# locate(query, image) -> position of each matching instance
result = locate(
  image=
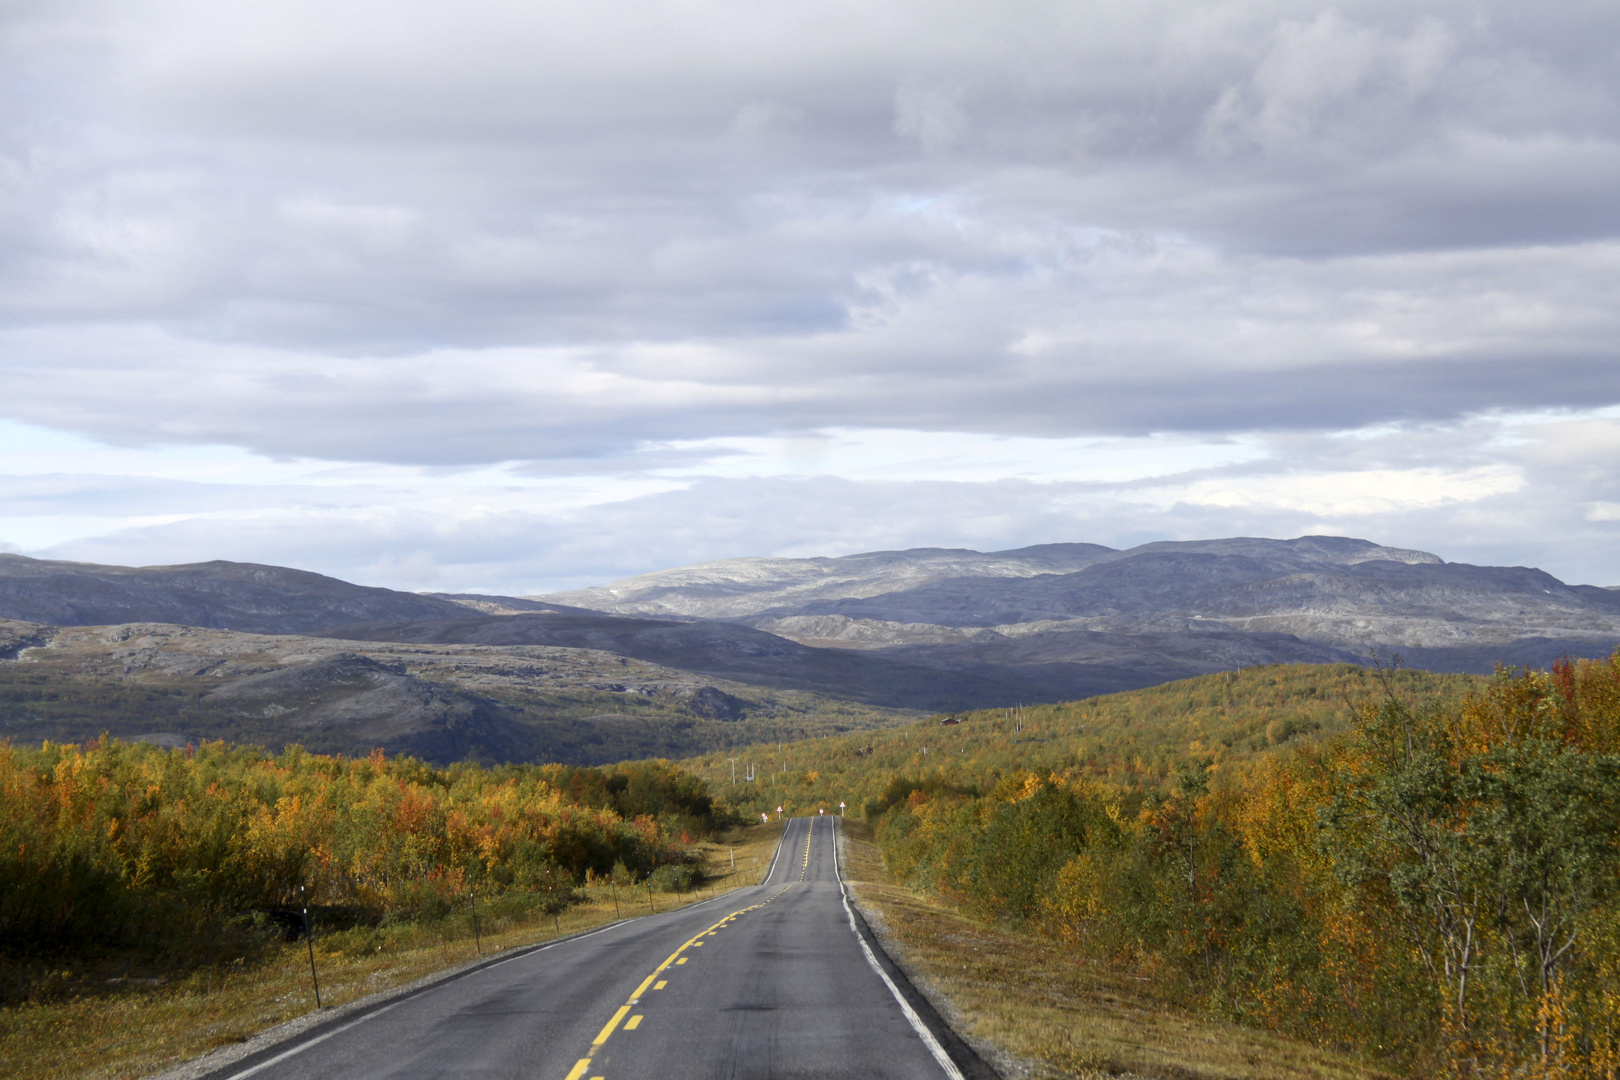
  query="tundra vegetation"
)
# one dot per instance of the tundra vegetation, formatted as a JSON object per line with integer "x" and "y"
{"x": 1417, "y": 869}
{"x": 1435, "y": 885}
{"x": 113, "y": 855}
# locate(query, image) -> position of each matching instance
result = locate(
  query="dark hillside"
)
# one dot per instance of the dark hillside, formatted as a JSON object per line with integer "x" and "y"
{"x": 738, "y": 652}
{"x": 222, "y": 595}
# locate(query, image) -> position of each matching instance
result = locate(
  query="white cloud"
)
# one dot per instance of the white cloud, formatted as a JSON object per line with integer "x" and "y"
{"x": 1345, "y": 494}
{"x": 1311, "y": 69}
{"x": 1498, "y": 489}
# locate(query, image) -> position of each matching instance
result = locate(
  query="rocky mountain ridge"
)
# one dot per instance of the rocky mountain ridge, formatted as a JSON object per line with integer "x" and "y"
{"x": 1336, "y": 592}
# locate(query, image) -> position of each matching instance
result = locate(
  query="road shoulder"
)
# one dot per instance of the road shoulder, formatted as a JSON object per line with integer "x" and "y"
{"x": 1034, "y": 1010}
{"x": 312, "y": 1025}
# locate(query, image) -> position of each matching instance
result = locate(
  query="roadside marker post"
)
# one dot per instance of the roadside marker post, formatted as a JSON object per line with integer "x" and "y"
{"x": 309, "y": 939}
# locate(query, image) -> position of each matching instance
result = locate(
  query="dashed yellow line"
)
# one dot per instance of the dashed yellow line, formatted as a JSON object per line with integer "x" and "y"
{"x": 674, "y": 959}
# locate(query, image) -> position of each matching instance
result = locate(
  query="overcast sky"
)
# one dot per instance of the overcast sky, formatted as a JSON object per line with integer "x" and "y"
{"x": 516, "y": 297}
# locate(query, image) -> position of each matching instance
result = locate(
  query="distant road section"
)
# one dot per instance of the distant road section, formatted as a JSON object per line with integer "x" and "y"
{"x": 775, "y": 981}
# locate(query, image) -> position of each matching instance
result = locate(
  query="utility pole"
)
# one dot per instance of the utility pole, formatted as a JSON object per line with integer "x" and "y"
{"x": 733, "y": 772}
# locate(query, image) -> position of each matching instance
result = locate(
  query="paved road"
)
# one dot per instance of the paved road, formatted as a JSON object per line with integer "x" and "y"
{"x": 772, "y": 981}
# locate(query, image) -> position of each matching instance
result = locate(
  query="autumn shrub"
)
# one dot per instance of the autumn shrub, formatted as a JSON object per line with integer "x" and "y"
{"x": 1438, "y": 885}
{"x": 128, "y": 846}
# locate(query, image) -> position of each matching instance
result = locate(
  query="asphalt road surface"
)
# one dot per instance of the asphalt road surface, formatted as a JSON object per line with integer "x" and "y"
{"x": 773, "y": 981}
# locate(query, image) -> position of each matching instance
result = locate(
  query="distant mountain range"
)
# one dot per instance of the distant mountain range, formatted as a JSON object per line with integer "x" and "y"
{"x": 1061, "y": 601}
{"x": 733, "y": 651}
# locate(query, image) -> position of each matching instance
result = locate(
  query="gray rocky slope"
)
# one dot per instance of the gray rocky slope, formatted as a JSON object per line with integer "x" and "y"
{"x": 731, "y": 651}
{"x": 514, "y": 700}
{"x": 1078, "y": 601}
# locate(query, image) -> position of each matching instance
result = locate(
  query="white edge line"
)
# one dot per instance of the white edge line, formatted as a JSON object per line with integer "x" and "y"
{"x": 307, "y": 1043}
{"x": 779, "y": 846}
{"x": 927, "y": 1036}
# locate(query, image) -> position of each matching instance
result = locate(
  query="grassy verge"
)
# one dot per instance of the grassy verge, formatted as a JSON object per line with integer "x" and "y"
{"x": 1043, "y": 1011}
{"x": 93, "y": 1027}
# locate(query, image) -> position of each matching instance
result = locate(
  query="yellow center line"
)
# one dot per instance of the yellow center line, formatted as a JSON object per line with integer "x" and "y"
{"x": 674, "y": 958}
{"x": 607, "y": 1029}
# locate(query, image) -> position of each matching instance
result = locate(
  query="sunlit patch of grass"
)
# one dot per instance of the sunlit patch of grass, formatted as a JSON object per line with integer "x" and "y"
{"x": 93, "y": 1028}
{"x": 1055, "y": 1013}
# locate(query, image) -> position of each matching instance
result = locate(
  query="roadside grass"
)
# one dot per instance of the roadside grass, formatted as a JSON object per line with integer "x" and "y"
{"x": 1053, "y": 1013}
{"x": 87, "y": 1025}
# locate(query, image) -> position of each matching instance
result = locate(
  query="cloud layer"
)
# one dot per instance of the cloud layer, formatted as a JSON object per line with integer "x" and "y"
{"x": 516, "y": 296}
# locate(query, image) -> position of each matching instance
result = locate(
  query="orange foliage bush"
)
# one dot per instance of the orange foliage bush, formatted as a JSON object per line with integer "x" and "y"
{"x": 113, "y": 844}
{"x": 1439, "y": 886}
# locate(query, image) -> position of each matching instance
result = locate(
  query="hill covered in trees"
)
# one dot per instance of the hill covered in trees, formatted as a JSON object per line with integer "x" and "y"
{"x": 1138, "y": 739}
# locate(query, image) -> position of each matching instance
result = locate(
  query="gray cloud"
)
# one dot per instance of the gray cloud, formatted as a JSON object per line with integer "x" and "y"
{"x": 568, "y": 235}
